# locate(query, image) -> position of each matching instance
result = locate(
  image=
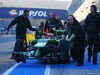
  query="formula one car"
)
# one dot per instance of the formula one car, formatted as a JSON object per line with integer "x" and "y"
{"x": 51, "y": 47}
{"x": 47, "y": 47}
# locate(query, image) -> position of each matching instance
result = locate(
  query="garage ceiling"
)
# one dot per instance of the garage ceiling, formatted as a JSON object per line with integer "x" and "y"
{"x": 48, "y": 4}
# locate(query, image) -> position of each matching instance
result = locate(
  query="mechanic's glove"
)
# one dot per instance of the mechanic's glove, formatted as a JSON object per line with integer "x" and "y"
{"x": 63, "y": 36}
{"x": 72, "y": 37}
{"x": 66, "y": 38}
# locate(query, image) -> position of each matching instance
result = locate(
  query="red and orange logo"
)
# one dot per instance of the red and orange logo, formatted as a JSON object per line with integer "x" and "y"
{"x": 13, "y": 12}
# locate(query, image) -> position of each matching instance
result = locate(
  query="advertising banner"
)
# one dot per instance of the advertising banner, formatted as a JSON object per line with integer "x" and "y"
{"x": 35, "y": 13}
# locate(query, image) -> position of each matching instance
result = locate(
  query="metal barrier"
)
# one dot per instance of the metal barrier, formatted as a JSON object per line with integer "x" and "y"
{"x": 3, "y": 31}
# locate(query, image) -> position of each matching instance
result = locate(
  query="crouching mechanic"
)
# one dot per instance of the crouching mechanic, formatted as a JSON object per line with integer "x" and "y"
{"x": 77, "y": 36}
{"x": 22, "y": 23}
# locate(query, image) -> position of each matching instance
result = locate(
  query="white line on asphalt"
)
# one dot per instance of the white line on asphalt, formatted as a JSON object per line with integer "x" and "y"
{"x": 47, "y": 70}
{"x": 11, "y": 69}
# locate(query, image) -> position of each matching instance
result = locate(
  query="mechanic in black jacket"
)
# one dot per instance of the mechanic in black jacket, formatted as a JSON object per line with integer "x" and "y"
{"x": 59, "y": 25}
{"x": 22, "y": 24}
{"x": 77, "y": 36}
{"x": 92, "y": 28}
{"x": 51, "y": 23}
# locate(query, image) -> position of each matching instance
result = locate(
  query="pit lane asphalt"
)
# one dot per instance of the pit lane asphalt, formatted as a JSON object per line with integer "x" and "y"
{"x": 6, "y": 47}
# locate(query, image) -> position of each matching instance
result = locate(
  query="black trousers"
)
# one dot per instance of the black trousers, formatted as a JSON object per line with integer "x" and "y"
{"x": 99, "y": 44}
{"x": 18, "y": 36}
{"x": 93, "y": 42}
{"x": 79, "y": 47}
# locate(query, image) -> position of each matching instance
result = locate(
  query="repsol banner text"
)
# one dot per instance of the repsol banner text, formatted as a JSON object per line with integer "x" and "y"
{"x": 35, "y": 13}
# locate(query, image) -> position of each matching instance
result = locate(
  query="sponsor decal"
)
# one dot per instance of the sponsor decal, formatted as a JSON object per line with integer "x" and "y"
{"x": 35, "y": 13}
{"x": 13, "y": 12}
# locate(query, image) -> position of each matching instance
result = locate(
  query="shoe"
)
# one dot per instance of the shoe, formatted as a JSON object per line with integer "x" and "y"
{"x": 89, "y": 59}
{"x": 78, "y": 65}
{"x": 94, "y": 63}
{"x": 82, "y": 63}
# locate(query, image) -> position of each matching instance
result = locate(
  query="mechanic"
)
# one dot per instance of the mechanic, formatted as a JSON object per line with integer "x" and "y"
{"x": 92, "y": 28}
{"x": 51, "y": 23}
{"x": 77, "y": 35}
{"x": 59, "y": 25}
{"x": 41, "y": 26}
{"x": 22, "y": 23}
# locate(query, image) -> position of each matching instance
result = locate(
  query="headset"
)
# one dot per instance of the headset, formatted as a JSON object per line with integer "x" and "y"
{"x": 94, "y": 7}
{"x": 25, "y": 11}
